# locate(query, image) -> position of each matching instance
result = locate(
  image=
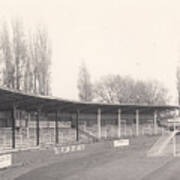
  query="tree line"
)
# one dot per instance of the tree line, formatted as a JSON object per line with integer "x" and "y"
{"x": 25, "y": 58}
{"x": 120, "y": 89}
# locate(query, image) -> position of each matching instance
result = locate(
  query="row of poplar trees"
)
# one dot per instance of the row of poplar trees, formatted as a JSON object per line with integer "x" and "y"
{"x": 25, "y": 58}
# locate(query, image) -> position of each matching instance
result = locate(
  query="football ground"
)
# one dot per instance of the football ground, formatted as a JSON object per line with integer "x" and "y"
{"x": 99, "y": 161}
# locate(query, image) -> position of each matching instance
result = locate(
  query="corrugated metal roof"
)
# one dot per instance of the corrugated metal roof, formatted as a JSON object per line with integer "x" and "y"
{"x": 25, "y": 101}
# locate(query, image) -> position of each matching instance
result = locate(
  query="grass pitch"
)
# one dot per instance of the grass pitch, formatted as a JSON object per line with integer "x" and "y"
{"x": 99, "y": 161}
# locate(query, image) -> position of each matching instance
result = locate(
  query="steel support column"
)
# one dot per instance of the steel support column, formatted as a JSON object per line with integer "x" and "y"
{"x": 99, "y": 122}
{"x": 119, "y": 123}
{"x": 56, "y": 128}
{"x": 14, "y": 127}
{"x": 77, "y": 124}
{"x": 37, "y": 127}
{"x": 137, "y": 122}
{"x": 155, "y": 122}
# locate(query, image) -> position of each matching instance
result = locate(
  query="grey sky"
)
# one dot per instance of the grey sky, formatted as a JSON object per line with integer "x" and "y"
{"x": 136, "y": 37}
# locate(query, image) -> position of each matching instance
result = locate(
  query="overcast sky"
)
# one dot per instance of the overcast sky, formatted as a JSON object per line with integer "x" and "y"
{"x": 128, "y": 37}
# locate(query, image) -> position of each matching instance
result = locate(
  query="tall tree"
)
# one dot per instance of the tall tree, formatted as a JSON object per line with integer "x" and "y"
{"x": 26, "y": 59}
{"x": 84, "y": 84}
{"x": 7, "y": 57}
{"x": 19, "y": 51}
{"x": 28, "y": 74}
{"x": 178, "y": 82}
{"x": 42, "y": 61}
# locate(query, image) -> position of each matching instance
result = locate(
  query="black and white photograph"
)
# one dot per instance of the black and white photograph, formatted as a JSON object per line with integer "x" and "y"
{"x": 89, "y": 90}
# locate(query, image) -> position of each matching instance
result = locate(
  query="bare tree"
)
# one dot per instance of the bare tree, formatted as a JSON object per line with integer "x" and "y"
{"x": 156, "y": 93}
{"x": 28, "y": 75}
{"x": 116, "y": 89}
{"x": 178, "y": 82}
{"x": 40, "y": 54}
{"x": 26, "y": 59}
{"x": 125, "y": 89}
{"x": 19, "y": 52}
{"x": 7, "y": 57}
{"x": 106, "y": 89}
{"x": 84, "y": 84}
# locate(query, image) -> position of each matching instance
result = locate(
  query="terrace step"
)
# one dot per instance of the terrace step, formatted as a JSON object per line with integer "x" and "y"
{"x": 161, "y": 143}
{"x": 89, "y": 135}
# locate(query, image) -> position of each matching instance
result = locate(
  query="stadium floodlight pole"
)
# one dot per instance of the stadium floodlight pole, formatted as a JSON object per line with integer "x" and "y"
{"x": 155, "y": 122}
{"x": 119, "y": 123}
{"x": 137, "y": 122}
{"x": 14, "y": 126}
{"x": 77, "y": 124}
{"x": 99, "y": 122}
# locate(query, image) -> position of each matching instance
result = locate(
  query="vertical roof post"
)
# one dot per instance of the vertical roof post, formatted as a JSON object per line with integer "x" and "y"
{"x": 77, "y": 124}
{"x": 56, "y": 127}
{"x": 14, "y": 126}
{"x": 137, "y": 122}
{"x": 119, "y": 123}
{"x": 37, "y": 126}
{"x": 99, "y": 122}
{"x": 155, "y": 122}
